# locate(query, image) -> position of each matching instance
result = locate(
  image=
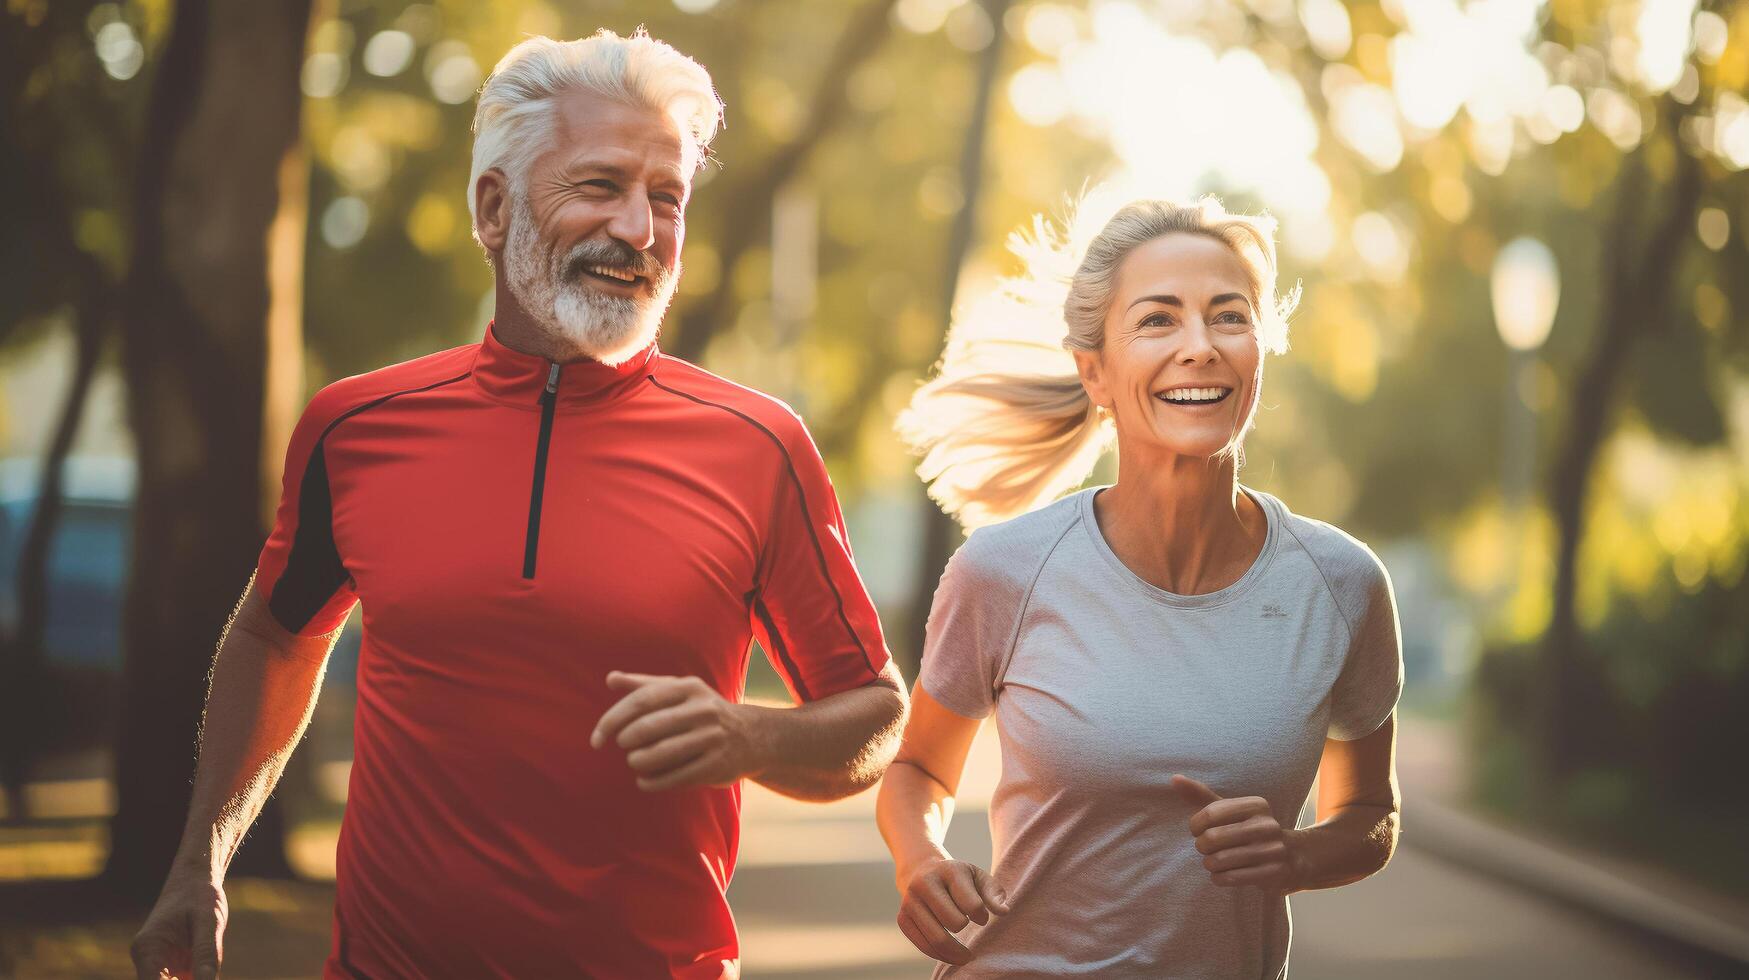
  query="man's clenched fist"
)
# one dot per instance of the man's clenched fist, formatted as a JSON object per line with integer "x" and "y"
{"x": 184, "y": 936}
{"x": 678, "y": 731}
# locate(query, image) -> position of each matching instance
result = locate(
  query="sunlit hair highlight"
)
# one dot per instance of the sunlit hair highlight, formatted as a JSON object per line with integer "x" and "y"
{"x": 1005, "y": 425}
{"x": 513, "y": 121}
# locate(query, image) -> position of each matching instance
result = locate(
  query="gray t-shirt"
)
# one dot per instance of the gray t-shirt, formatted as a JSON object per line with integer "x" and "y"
{"x": 1103, "y": 686}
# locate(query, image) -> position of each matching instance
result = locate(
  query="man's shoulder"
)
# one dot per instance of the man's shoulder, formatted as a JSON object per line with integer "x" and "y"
{"x": 716, "y": 394}
{"x": 360, "y": 391}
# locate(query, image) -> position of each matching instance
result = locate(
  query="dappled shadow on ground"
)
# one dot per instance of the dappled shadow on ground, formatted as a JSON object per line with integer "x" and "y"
{"x": 77, "y": 930}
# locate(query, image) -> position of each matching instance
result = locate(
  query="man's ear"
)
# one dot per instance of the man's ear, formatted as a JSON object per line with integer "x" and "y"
{"x": 492, "y": 210}
{"x": 1089, "y": 365}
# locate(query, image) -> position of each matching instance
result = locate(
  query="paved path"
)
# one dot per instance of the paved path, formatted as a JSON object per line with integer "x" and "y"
{"x": 814, "y": 898}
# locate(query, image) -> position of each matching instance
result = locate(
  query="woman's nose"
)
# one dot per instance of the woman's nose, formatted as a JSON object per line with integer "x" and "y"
{"x": 1198, "y": 348}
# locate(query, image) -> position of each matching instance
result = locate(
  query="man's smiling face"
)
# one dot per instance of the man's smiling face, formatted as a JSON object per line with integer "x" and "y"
{"x": 597, "y": 224}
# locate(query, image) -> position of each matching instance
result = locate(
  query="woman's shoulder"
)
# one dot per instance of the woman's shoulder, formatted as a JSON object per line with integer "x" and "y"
{"x": 1345, "y": 561}
{"x": 1013, "y": 549}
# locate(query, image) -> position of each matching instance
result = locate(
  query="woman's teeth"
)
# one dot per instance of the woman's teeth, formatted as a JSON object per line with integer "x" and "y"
{"x": 1195, "y": 396}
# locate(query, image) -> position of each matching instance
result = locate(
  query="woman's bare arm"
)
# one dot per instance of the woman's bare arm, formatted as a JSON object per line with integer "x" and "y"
{"x": 939, "y": 895}
{"x": 1358, "y": 812}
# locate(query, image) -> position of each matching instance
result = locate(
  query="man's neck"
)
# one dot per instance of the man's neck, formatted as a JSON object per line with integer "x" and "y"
{"x": 520, "y": 332}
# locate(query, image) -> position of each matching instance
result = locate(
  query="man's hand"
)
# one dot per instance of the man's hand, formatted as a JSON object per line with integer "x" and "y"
{"x": 678, "y": 731}
{"x": 1240, "y": 839}
{"x": 184, "y": 936}
{"x": 943, "y": 897}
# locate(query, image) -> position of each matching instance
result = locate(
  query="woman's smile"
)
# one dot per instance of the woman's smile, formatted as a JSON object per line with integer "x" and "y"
{"x": 1194, "y": 398}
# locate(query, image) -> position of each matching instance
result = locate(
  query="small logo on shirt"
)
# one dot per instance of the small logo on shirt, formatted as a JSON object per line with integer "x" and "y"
{"x": 1273, "y": 611}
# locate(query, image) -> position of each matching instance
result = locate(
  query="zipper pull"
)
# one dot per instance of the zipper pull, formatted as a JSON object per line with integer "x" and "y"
{"x": 552, "y": 383}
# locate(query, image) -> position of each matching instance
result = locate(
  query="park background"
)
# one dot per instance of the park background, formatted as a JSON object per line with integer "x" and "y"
{"x": 1520, "y": 372}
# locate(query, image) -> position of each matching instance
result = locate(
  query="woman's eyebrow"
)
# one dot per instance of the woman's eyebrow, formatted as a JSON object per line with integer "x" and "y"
{"x": 1169, "y": 300}
{"x": 1164, "y": 300}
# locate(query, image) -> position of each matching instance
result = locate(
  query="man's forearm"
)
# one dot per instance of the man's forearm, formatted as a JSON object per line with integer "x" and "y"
{"x": 830, "y": 748}
{"x": 262, "y": 692}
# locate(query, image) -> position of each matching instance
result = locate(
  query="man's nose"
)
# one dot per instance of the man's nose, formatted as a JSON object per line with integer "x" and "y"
{"x": 633, "y": 224}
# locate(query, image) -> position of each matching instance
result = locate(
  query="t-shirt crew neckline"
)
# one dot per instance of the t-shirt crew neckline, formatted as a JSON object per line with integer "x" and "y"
{"x": 1207, "y": 600}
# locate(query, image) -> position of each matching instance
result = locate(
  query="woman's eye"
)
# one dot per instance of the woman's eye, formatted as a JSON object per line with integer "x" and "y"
{"x": 1155, "y": 320}
{"x": 1232, "y": 318}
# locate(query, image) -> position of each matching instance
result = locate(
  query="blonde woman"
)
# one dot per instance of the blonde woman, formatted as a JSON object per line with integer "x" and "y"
{"x": 1170, "y": 660}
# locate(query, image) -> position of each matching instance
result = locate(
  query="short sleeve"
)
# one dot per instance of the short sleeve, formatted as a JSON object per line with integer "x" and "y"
{"x": 973, "y": 623}
{"x": 811, "y": 612}
{"x": 1371, "y": 680}
{"x": 300, "y": 572}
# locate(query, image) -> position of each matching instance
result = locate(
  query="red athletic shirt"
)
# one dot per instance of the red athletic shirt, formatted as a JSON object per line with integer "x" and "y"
{"x": 514, "y": 530}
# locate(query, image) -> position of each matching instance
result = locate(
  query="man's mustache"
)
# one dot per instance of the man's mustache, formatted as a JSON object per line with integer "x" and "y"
{"x": 615, "y": 254}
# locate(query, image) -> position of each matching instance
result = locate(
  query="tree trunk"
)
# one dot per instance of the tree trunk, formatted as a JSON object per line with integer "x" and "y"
{"x": 45, "y": 272}
{"x": 1637, "y": 285}
{"x": 224, "y": 116}
{"x": 22, "y": 703}
{"x": 939, "y": 530}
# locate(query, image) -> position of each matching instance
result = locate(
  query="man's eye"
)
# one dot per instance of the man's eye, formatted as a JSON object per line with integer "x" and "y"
{"x": 602, "y": 184}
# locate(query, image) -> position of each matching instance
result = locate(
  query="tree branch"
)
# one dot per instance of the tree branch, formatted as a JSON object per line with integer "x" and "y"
{"x": 749, "y": 213}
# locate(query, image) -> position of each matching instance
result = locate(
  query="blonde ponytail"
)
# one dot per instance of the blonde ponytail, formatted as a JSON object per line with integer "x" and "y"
{"x": 1005, "y": 425}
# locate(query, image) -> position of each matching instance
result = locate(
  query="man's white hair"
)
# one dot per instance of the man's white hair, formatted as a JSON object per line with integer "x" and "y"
{"x": 513, "y": 122}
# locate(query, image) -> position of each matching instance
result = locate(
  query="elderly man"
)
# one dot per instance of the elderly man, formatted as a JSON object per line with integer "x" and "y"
{"x": 563, "y": 540}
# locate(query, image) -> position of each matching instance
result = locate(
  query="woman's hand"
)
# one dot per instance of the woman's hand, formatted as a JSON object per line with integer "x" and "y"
{"x": 1241, "y": 841}
{"x": 940, "y": 898}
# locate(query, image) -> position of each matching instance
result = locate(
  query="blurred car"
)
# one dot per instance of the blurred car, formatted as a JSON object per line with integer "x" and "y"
{"x": 88, "y": 561}
{"x": 79, "y": 685}
{"x": 88, "y": 558}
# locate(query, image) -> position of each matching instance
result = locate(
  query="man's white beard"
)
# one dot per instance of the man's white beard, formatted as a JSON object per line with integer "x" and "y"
{"x": 608, "y": 328}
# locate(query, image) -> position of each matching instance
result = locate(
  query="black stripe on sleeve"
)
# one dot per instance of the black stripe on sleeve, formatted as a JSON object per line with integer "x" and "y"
{"x": 802, "y": 496}
{"x": 781, "y": 649}
{"x": 313, "y": 571}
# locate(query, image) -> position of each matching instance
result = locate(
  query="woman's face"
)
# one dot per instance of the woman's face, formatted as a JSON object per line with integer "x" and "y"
{"x": 1181, "y": 364}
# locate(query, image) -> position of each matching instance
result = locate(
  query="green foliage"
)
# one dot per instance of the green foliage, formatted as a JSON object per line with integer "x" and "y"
{"x": 66, "y": 132}
{"x": 1387, "y": 416}
{"x": 1664, "y": 700}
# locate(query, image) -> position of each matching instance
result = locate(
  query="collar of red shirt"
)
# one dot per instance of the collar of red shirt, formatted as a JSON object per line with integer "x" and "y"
{"x": 519, "y": 379}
